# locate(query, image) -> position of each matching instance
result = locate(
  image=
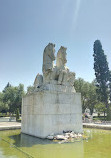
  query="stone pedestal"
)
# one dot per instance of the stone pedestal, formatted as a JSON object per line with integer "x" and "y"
{"x": 51, "y": 111}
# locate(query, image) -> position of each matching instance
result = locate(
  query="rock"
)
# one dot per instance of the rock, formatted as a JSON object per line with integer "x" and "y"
{"x": 50, "y": 137}
{"x": 79, "y": 135}
{"x": 72, "y": 132}
{"x": 71, "y": 135}
{"x": 74, "y": 136}
{"x": 61, "y": 137}
{"x": 67, "y": 136}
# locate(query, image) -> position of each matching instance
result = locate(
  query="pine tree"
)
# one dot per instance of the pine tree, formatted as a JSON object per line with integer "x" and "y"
{"x": 102, "y": 74}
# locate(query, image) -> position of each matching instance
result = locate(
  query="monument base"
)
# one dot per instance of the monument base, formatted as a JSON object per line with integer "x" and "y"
{"x": 46, "y": 112}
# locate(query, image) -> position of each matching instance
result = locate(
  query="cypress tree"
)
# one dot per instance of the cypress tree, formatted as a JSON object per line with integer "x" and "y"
{"x": 102, "y": 74}
{"x": 17, "y": 114}
{"x": 110, "y": 88}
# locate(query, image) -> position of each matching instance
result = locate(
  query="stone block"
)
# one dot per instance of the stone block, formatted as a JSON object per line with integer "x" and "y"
{"x": 49, "y": 112}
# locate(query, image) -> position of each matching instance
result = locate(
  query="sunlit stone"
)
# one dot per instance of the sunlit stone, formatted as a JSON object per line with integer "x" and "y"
{"x": 53, "y": 106}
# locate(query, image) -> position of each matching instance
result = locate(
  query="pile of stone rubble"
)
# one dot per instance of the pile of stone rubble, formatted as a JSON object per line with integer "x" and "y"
{"x": 67, "y": 137}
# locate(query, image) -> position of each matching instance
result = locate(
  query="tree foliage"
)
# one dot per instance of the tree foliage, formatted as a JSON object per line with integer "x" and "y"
{"x": 92, "y": 97}
{"x": 17, "y": 114}
{"x": 88, "y": 94}
{"x": 19, "y": 94}
{"x": 110, "y": 87}
{"x": 100, "y": 107}
{"x": 30, "y": 89}
{"x": 3, "y": 106}
{"x": 11, "y": 98}
{"x": 102, "y": 75}
{"x": 101, "y": 72}
{"x": 82, "y": 87}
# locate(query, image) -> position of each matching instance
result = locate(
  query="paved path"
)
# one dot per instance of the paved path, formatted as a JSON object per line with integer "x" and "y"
{"x": 9, "y": 125}
{"x": 98, "y": 126}
{"x": 17, "y": 125}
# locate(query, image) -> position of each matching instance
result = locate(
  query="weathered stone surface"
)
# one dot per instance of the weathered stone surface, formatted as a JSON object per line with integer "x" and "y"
{"x": 53, "y": 106}
{"x": 50, "y": 137}
{"x": 51, "y": 112}
{"x": 61, "y": 57}
{"x": 38, "y": 81}
{"x": 55, "y": 74}
{"x": 48, "y": 62}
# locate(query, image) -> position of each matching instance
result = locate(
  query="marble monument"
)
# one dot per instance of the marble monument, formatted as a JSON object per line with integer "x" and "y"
{"x": 53, "y": 106}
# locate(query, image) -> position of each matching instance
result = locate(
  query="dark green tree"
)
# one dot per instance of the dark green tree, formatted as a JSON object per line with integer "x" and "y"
{"x": 17, "y": 114}
{"x": 9, "y": 97}
{"x": 88, "y": 94}
{"x": 100, "y": 108}
{"x": 3, "y": 106}
{"x": 82, "y": 87}
{"x": 102, "y": 74}
{"x": 110, "y": 87}
{"x": 12, "y": 96}
{"x": 92, "y": 97}
{"x": 19, "y": 94}
{"x": 8, "y": 85}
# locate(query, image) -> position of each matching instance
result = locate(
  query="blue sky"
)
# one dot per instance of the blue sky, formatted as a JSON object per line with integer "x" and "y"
{"x": 27, "y": 26}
